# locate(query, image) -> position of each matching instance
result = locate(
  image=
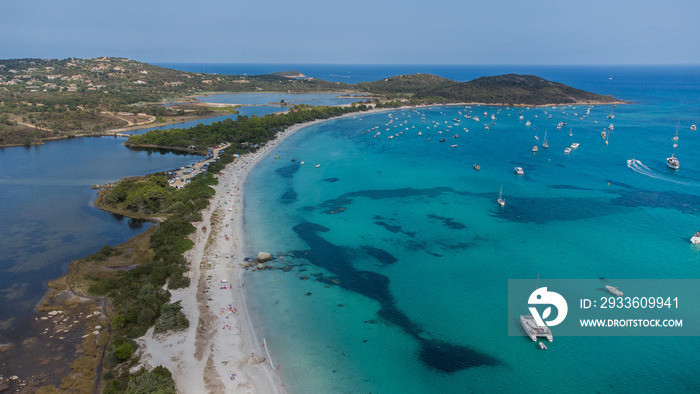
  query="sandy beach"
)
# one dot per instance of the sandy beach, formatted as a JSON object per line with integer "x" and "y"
{"x": 220, "y": 352}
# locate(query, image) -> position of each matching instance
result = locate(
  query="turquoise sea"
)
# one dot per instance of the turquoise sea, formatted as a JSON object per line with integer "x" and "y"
{"x": 399, "y": 257}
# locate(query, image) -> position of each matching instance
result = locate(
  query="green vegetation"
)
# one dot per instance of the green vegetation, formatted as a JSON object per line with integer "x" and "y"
{"x": 158, "y": 381}
{"x": 510, "y": 89}
{"x": 41, "y": 99}
{"x": 243, "y": 133}
{"x": 171, "y": 319}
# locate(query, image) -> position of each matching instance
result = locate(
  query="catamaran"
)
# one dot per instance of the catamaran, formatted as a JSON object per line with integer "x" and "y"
{"x": 614, "y": 290}
{"x": 533, "y": 330}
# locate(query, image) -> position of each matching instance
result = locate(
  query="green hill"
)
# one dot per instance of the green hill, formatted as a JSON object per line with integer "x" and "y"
{"x": 513, "y": 89}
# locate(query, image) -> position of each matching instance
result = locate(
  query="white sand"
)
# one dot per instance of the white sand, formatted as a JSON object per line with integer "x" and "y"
{"x": 219, "y": 342}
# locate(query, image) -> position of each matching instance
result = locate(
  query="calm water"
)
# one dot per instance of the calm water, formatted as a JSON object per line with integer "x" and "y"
{"x": 47, "y": 212}
{"x": 259, "y": 110}
{"x": 272, "y": 98}
{"x": 401, "y": 255}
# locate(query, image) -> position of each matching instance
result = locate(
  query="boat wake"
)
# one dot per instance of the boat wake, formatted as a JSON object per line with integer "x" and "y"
{"x": 639, "y": 167}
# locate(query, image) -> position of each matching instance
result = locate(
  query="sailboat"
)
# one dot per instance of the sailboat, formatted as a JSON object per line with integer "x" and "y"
{"x": 501, "y": 201}
{"x": 676, "y": 137}
{"x": 611, "y": 115}
{"x": 545, "y": 144}
{"x": 532, "y": 329}
{"x": 606, "y": 138}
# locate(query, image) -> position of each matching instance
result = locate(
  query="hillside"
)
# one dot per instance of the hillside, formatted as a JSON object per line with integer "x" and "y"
{"x": 416, "y": 84}
{"x": 43, "y": 99}
{"x": 511, "y": 89}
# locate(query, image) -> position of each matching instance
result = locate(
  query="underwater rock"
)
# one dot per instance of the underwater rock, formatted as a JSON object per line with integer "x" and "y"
{"x": 264, "y": 256}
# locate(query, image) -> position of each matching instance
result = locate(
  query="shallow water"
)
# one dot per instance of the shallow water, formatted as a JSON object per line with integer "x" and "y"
{"x": 401, "y": 255}
{"x": 272, "y": 98}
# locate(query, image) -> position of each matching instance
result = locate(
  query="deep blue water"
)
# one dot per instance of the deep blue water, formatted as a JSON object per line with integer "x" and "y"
{"x": 47, "y": 212}
{"x": 407, "y": 282}
{"x": 400, "y": 255}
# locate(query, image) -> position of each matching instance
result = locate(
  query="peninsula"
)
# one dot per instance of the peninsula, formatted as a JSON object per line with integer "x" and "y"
{"x": 45, "y": 99}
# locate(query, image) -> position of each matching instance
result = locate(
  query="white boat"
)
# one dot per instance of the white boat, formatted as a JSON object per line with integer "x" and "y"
{"x": 571, "y": 132}
{"x": 544, "y": 143}
{"x": 574, "y": 145}
{"x": 567, "y": 150}
{"x": 611, "y": 127}
{"x": 695, "y": 239}
{"x": 519, "y": 171}
{"x": 675, "y": 138}
{"x": 603, "y": 134}
{"x": 527, "y": 123}
{"x": 535, "y": 149}
{"x": 543, "y": 346}
{"x": 536, "y": 137}
{"x": 693, "y": 127}
{"x": 533, "y": 330}
{"x": 318, "y": 165}
{"x": 614, "y": 290}
{"x": 501, "y": 201}
{"x": 672, "y": 162}
{"x": 611, "y": 115}
{"x": 606, "y": 139}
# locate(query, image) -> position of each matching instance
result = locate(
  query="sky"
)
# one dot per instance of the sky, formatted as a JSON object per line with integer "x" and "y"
{"x": 356, "y": 32}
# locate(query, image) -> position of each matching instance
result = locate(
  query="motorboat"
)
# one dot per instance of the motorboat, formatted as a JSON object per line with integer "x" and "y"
{"x": 477, "y": 167}
{"x": 574, "y": 145}
{"x": 533, "y": 330}
{"x": 614, "y": 290}
{"x": 695, "y": 239}
{"x": 672, "y": 162}
{"x": 542, "y": 346}
{"x": 567, "y": 150}
{"x": 535, "y": 149}
{"x": 693, "y": 127}
{"x": 519, "y": 171}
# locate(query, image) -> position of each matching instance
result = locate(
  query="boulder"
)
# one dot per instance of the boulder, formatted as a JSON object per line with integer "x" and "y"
{"x": 260, "y": 266}
{"x": 264, "y": 256}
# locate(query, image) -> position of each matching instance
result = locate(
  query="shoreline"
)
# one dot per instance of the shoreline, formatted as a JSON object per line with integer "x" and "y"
{"x": 122, "y": 131}
{"x": 221, "y": 339}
